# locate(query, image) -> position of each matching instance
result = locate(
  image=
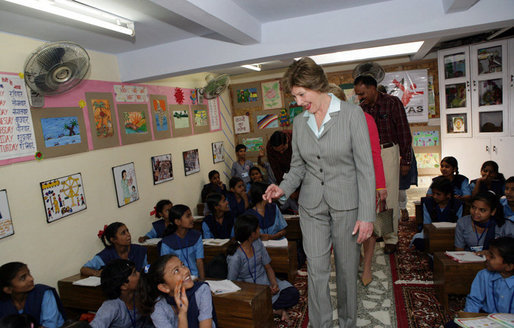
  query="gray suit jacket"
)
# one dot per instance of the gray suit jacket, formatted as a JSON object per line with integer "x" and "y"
{"x": 337, "y": 167}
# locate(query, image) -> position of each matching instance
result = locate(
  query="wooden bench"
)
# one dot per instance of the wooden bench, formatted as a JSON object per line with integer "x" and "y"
{"x": 451, "y": 277}
{"x": 438, "y": 239}
{"x": 250, "y": 307}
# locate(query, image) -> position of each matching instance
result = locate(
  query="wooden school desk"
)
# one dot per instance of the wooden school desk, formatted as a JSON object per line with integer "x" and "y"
{"x": 451, "y": 277}
{"x": 284, "y": 260}
{"x": 439, "y": 239}
{"x": 250, "y": 307}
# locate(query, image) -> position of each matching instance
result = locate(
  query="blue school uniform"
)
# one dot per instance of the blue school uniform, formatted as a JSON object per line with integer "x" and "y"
{"x": 237, "y": 208}
{"x": 212, "y": 188}
{"x": 506, "y": 230}
{"x": 466, "y": 236}
{"x": 272, "y": 222}
{"x": 158, "y": 228}
{"x": 497, "y": 186}
{"x": 460, "y": 186}
{"x": 137, "y": 254}
{"x": 242, "y": 268}
{"x": 212, "y": 229}
{"x": 188, "y": 249}
{"x": 491, "y": 293}
{"x": 433, "y": 213}
{"x": 507, "y": 211}
{"x": 115, "y": 314}
{"x": 200, "y": 308}
{"x": 42, "y": 304}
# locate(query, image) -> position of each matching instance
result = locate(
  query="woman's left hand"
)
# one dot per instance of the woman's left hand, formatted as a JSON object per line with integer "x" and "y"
{"x": 365, "y": 229}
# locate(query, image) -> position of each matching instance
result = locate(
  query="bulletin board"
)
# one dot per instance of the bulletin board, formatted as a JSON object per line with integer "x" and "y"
{"x": 426, "y": 142}
{"x": 180, "y": 117}
{"x": 200, "y": 115}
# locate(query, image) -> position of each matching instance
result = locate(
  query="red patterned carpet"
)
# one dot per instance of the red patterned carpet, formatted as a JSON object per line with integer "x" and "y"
{"x": 416, "y": 303}
{"x": 298, "y": 313}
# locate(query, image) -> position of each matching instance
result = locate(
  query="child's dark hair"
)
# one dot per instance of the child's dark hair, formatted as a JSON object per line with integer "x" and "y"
{"x": 147, "y": 290}
{"x": 233, "y": 181}
{"x": 213, "y": 200}
{"x": 256, "y": 191}
{"x": 452, "y": 161}
{"x": 114, "y": 275}
{"x": 243, "y": 227}
{"x": 160, "y": 206}
{"x": 495, "y": 168}
{"x": 23, "y": 320}
{"x": 7, "y": 273}
{"x": 110, "y": 232}
{"x": 239, "y": 147}
{"x": 212, "y": 173}
{"x": 443, "y": 185}
{"x": 510, "y": 180}
{"x": 278, "y": 138}
{"x": 176, "y": 213}
{"x": 505, "y": 246}
{"x": 491, "y": 199}
{"x": 255, "y": 168}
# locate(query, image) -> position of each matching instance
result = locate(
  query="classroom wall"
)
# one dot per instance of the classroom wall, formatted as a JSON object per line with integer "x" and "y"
{"x": 57, "y": 250}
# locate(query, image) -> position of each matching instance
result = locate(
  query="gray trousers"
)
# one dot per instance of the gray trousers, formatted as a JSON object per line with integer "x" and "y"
{"x": 322, "y": 228}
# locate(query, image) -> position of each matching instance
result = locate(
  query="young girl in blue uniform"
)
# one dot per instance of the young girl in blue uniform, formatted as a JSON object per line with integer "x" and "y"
{"x": 220, "y": 223}
{"x": 119, "y": 283}
{"x": 441, "y": 207}
{"x": 118, "y": 245}
{"x": 161, "y": 211}
{"x": 492, "y": 290}
{"x": 507, "y": 201}
{"x": 490, "y": 179}
{"x": 249, "y": 261}
{"x": 474, "y": 232}
{"x": 18, "y": 295}
{"x": 184, "y": 241}
{"x": 214, "y": 185}
{"x": 450, "y": 170}
{"x": 169, "y": 295}
{"x": 271, "y": 221}
{"x": 237, "y": 197}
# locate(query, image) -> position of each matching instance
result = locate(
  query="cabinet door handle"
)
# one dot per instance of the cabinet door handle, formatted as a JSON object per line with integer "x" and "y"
{"x": 487, "y": 148}
{"x": 512, "y": 80}
{"x": 467, "y": 82}
{"x": 474, "y": 85}
{"x": 494, "y": 149}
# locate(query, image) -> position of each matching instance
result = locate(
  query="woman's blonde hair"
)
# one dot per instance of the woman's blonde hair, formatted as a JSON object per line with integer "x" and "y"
{"x": 305, "y": 73}
{"x": 337, "y": 91}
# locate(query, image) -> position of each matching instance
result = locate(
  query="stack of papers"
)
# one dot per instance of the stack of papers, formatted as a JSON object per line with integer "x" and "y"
{"x": 275, "y": 243}
{"x": 465, "y": 257}
{"x": 222, "y": 286}
{"x": 444, "y": 224}
{"x": 215, "y": 242}
{"x": 88, "y": 282}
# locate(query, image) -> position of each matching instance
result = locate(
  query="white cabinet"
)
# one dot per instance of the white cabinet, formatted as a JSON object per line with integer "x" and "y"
{"x": 476, "y": 89}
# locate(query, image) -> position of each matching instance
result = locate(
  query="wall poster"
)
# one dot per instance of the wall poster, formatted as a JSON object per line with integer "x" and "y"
{"x": 63, "y": 196}
{"x": 6, "y": 226}
{"x": 125, "y": 183}
{"x": 162, "y": 170}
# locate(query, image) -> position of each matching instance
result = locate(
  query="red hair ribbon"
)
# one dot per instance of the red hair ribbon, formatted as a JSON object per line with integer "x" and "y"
{"x": 101, "y": 232}
{"x": 152, "y": 213}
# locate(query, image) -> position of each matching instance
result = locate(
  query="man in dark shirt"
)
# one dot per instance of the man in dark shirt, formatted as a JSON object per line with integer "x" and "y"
{"x": 395, "y": 141}
{"x": 279, "y": 152}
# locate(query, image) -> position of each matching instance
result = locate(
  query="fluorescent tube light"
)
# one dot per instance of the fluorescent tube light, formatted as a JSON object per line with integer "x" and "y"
{"x": 255, "y": 67}
{"x": 82, "y": 13}
{"x": 368, "y": 53}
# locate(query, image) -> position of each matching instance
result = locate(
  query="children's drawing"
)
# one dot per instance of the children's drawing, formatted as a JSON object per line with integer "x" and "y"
{"x": 294, "y": 110}
{"x": 217, "y": 152}
{"x": 179, "y": 95}
{"x": 130, "y": 93}
{"x": 247, "y": 95}
{"x": 191, "y": 161}
{"x": 103, "y": 118}
{"x": 181, "y": 119}
{"x": 253, "y": 144}
{"x": 6, "y": 227}
{"x": 428, "y": 160}
{"x": 63, "y": 196}
{"x": 201, "y": 118}
{"x": 194, "y": 97}
{"x": 267, "y": 121}
{"x": 161, "y": 120}
{"x": 134, "y": 123}
{"x": 271, "y": 95}
{"x": 284, "y": 118}
{"x": 425, "y": 138}
{"x": 162, "y": 169}
{"x": 125, "y": 183}
{"x": 59, "y": 131}
{"x": 241, "y": 124}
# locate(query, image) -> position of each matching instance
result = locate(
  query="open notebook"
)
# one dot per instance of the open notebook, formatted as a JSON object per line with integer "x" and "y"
{"x": 494, "y": 320}
{"x": 465, "y": 257}
{"x": 88, "y": 282}
{"x": 222, "y": 286}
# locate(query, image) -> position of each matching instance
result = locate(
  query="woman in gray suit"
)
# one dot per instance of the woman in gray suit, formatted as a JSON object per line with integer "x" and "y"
{"x": 333, "y": 164}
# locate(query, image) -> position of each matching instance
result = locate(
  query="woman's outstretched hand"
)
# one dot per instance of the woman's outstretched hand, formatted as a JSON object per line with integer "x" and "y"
{"x": 273, "y": 192}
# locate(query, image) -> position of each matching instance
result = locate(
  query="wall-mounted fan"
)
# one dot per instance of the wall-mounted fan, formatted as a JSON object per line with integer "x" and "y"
{"x": 55, "y": 68}
{"x": 372, "y": 69}
{"x": 215, "y": 86}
